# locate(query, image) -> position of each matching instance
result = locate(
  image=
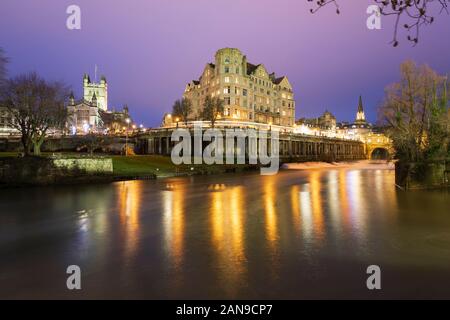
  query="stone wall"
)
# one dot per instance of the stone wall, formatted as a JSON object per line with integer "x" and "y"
{"x": 87, "y": 165}
{"x": 42, "y": 171}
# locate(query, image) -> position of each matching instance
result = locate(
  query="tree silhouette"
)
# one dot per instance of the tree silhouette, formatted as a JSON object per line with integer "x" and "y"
{"x": 417, "y": 12}
{"x": 182, "y": 108}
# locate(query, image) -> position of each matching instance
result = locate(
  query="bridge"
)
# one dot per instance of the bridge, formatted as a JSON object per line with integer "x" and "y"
{"x": 378, "y": 147}
{"x": 293, "y": 147}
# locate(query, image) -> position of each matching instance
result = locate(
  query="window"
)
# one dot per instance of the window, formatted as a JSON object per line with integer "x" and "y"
{"x": 227, "y": 90}
{"x": 227, "y": 79}
{"x": 238, "y": 101}
{"x": 227, "y": 69}
{"x": 237, "y": 70}
{"x": 244, "y": 92}
{"x": 237, "y": 80}
{"x": 227, "y": 101}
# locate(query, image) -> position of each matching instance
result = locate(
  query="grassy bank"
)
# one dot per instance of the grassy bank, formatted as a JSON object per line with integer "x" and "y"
{"x": 150, "y": 166}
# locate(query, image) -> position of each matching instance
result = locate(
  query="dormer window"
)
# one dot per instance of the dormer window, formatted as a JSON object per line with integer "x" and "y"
{"x": 227, "y": 60}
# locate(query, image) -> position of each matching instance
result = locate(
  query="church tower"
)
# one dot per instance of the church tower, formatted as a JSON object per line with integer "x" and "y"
{"x": 99, "y": 90}
{"x": 360, "y": 116}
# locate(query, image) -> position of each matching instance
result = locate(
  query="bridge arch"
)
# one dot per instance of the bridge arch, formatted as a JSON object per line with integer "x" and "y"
{"x": 380, "y": 153}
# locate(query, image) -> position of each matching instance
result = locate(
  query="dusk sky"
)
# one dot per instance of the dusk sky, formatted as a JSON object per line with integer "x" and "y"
{"x": 149, "y": 49}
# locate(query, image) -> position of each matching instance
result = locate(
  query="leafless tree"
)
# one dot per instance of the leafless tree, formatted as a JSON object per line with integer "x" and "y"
{"x": 417, "y": 13}
{"x": 36, "y": 106}
{"x": 415, "y": 110}
{"x": 182, "y": 108}
{"x": 212, "y": 109}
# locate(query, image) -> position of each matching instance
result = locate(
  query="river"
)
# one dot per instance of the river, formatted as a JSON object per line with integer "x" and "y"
{"x": 299, "y": 234}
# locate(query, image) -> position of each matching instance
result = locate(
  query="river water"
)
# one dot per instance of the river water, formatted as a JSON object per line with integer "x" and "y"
{"x": 299, "y": 234}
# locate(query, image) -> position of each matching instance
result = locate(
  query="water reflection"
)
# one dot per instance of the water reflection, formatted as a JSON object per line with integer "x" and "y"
{"x": 219, "y": 237}
{"x": 129, "y": 204}
{"x": 174, "y": 224}
{"x": 227, "y": 234}
{"x": 271, "y": 218}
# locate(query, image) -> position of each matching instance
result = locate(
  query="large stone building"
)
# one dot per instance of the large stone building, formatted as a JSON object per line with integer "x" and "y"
{"x": 84, "y": 115}
{"x": 91, "y": 114}
{"x": 100, "y": 90}
{"x": 249, "y": 91}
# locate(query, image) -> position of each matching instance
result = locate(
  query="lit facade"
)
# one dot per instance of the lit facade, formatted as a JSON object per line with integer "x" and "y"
{"x": 100, "y": 90}
{"x": 249, "y": 91}
{"x": 84, "y": 116}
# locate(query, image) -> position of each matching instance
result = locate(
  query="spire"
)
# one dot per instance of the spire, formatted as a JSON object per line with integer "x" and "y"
{"x": 360, "y": 105}
{"x": 360, "y": 116}
{"x": 94, "y": 99}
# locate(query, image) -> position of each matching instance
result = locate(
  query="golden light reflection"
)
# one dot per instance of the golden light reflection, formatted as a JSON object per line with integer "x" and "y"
{"x": 129, "y": 203}
{"x": 270, "y": 195}
{"x": 295, "y": 204}
{"x": 227, "y": 222}
{"x": 344, "y": 198}
{"x": 333, "y": 198}
{"x": 316, "y": 201}
{"x": 174, "y": 224}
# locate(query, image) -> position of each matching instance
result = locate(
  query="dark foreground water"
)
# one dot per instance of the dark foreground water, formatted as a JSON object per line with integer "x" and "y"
{"x": 299, "y": 234}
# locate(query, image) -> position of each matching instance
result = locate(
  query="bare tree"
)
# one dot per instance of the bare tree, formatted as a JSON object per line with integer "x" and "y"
{"x": 415, "y": 111}
{"x": 416, "y": 12}
{"x": 182, "y": 108}
{"x": 36, "y": 106}
{"x": 212, "y": 109}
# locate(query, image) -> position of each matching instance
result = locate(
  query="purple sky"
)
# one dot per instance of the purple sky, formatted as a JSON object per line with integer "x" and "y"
{"x": 149, "y": 49}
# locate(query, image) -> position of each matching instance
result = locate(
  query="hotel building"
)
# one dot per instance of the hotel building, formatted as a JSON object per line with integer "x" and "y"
{"x": 249, "y": 91}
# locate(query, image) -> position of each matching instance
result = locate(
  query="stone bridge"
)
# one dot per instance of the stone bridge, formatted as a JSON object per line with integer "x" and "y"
{"x": 378, "y": 147}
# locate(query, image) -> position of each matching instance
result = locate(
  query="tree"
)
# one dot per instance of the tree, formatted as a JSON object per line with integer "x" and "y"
{"x": 415, "y": 110}
{"x": 182, "y": 108}
{"x": 417, "y": 12}
{"x": 36, "y": 106}
{"x": 212, "y": 109}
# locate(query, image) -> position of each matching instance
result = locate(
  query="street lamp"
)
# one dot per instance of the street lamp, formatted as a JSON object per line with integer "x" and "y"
{"x": 177, "y": 120}
{"x": 127, "y": 120}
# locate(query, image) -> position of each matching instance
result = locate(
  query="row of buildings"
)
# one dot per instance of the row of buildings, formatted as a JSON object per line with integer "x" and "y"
{"x": 252, "y": 96}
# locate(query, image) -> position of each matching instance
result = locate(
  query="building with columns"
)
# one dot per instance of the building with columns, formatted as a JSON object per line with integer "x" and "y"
{"x": 249, "y": 91}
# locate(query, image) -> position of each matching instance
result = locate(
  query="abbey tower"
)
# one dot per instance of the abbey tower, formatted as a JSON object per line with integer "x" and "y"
{"x": 99, "y": 90}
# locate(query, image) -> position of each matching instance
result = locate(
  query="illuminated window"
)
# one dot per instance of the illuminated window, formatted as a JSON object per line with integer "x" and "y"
{"x": 227, "y": 79}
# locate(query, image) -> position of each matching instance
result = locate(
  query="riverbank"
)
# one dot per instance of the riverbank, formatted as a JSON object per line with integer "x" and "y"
{"x": 28, "y": 172}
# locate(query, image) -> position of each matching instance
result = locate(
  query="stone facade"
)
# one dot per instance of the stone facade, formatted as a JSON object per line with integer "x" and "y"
{"x": 99, "y": 90}
{"x": 84, "y": 116}
{"x": 249, "y": 91}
